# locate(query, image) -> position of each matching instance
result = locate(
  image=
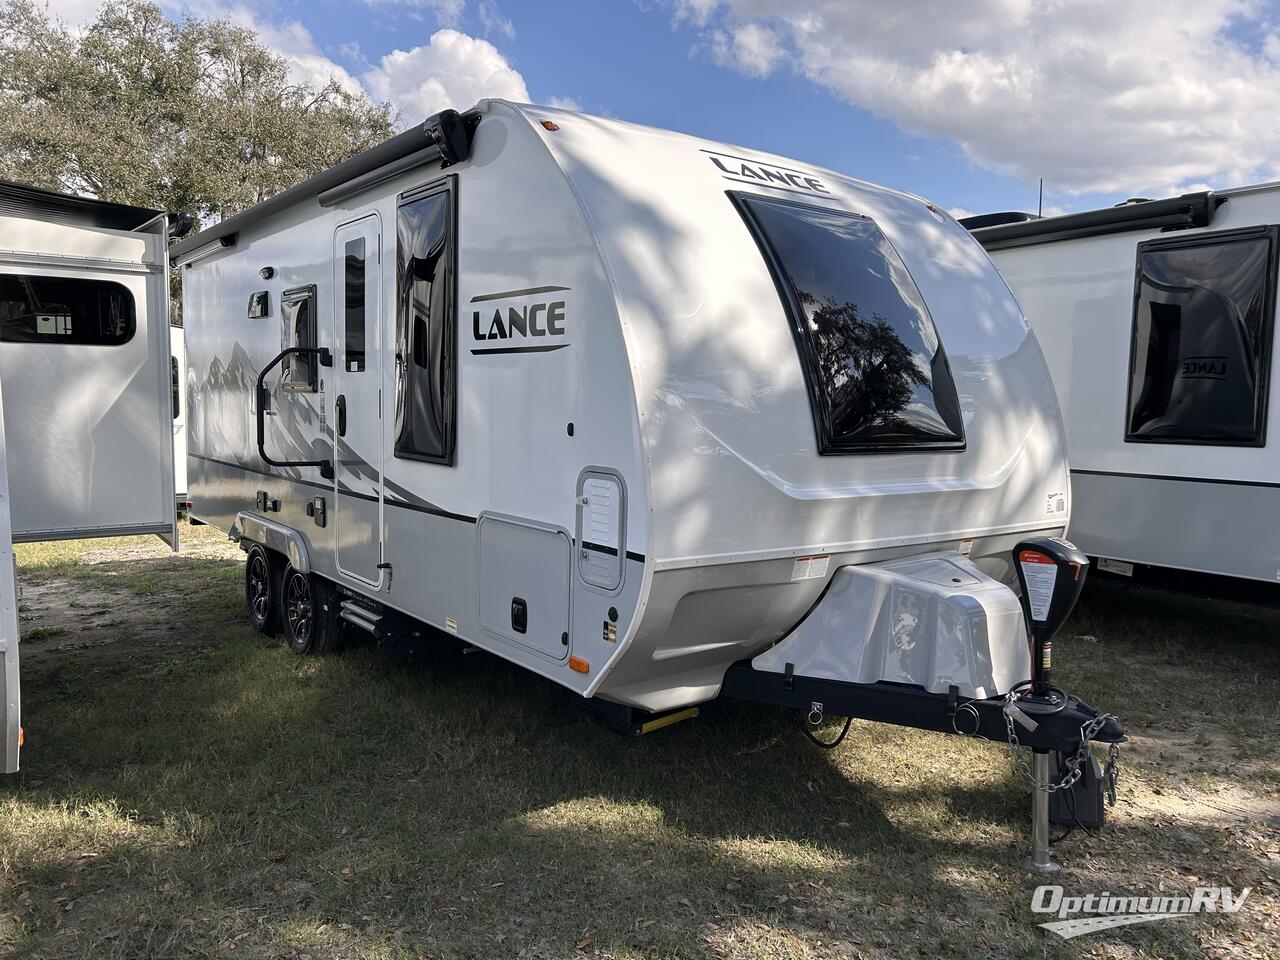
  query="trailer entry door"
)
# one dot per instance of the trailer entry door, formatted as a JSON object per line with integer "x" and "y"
{"x": 357, "y": 399}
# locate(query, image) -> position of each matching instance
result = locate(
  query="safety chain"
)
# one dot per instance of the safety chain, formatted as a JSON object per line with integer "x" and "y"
{"x": 1111, "y": 773}
{"x": 1075, "y": 762}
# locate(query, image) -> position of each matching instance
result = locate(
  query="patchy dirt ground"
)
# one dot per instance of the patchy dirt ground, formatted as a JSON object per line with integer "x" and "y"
{"x": 191, "y": 789}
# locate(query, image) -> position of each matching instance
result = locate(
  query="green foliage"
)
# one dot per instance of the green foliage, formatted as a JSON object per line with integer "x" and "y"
{"x": 192, "y": 115}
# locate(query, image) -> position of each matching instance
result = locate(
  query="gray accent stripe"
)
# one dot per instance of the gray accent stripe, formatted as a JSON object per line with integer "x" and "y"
{"x": 420, "y": 507}
{"x": 527, "y": 291}
{"x": 536, "y": 349}
{"x": 1171, "y": 479}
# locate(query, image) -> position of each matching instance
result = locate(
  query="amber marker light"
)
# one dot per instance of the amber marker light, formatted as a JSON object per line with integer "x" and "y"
{"x": 549, "y": 125}
{"x": 579, "y": 665}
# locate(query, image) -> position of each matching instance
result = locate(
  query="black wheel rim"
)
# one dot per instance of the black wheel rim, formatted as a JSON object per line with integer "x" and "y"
{"x": 258, "y": 588}
{"x": 298, "y": 608}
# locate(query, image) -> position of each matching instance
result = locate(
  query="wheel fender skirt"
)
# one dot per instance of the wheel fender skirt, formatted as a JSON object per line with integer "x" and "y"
{"x": 932, "y": 621}
{"x": 273, "y": 536}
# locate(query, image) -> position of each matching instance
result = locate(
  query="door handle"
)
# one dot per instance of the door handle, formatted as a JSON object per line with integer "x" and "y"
{"x": 340, "y": 413}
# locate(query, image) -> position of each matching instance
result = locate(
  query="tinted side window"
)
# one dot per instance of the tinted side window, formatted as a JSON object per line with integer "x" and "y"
{"x": 65, "y": 310}
{"x": 353, "y": 273}
{"x": 298, "y": 318}
{"x": 877, "y": 374}
{"x": 1204, "y": 308}
{"x": 425, "y": 353}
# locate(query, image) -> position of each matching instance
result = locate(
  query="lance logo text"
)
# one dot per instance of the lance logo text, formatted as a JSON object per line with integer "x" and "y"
{"x": 531, "y": 320}
{"x": 757, "y": 173}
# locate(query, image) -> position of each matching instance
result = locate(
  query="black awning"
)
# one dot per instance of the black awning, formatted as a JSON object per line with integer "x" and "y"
{"x": 20, "y": 200}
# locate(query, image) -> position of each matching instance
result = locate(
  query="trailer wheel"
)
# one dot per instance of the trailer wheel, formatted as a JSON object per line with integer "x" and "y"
{"x": 304, "y": 613}
{"x": 261, "y": 589}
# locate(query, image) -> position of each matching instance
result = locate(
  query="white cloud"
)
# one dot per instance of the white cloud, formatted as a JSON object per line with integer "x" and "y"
{"x": 451, "y": 70}
{"x": 74, "y": 13}
{"x": 749, "y": 47}
{"x": 493, "y": 21}
{"x": 564, "y": 103}
{"x": 446, "y": 11}
{"x": 1145, "y": 96}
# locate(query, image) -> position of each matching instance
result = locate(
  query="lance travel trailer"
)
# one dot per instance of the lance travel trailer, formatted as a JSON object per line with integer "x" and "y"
{"x": 1158, "y": 319}
{"x": 86, "y": 427}
{"x": 653, "y": 417}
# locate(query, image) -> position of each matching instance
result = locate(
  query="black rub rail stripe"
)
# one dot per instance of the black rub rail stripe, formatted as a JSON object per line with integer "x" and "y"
{"x": 1173, "y": 479}
{"x": 611, "y": 551}
{"x": 526, "y": 292}
{"x": 536, "y": 349}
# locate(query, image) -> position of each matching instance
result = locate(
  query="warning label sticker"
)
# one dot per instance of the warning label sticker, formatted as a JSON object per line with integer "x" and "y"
{"x": 809, "y": 568}
{"x": 1040, "y": 574}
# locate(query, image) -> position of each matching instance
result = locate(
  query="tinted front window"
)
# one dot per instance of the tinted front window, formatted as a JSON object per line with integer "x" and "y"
{"x": 65, "y": 310}
{"x": 1202, "y": 327}
{"x": 425, "y": 355}
{"x": 877, "y": 374}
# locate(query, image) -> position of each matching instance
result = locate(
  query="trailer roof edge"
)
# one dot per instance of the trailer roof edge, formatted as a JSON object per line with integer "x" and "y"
{"x": 1173, "y": 213}
{"x": 446, "y": 135}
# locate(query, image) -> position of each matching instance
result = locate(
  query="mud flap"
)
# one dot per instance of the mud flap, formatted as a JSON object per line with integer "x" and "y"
{"x": 934, "y": 621}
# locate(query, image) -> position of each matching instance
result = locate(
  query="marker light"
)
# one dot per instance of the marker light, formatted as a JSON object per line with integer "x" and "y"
{"x": 549, "y": 125}
{"x": 579, "y": 665}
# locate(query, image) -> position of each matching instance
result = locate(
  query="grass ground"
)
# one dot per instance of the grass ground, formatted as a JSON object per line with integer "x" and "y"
{"x": 193, "y": 790}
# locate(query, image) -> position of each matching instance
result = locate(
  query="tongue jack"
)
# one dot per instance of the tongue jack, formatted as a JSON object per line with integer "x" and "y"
{"x": 1051, "y": 573}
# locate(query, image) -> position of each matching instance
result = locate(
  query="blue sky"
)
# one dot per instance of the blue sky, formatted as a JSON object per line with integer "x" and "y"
{"x": 965, "y": 103}
{"x": 629, "y": 60}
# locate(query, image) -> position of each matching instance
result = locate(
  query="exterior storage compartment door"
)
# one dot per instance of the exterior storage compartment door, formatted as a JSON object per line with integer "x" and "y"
{"x": 601, "y": 533}
{"x": 524, "y": 584}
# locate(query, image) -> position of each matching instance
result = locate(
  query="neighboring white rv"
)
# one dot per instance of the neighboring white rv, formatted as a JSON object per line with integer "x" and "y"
{"x": 1157, "y": 319}
{"x": 84, "y": 367}
{"x": 620, "y": 405}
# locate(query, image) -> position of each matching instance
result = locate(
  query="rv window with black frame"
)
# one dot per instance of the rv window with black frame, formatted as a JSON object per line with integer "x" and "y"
{"x": 1204, "y": 308}
{"x": 425, "y": 354}
{"x": 298, "y": 320}
{"x": 353, "y": 280}
{"x": 36, "y": 309}
{"x": 876, "y": 371}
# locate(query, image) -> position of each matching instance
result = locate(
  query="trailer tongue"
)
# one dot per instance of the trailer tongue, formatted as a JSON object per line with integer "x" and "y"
{"x": 929, "y": 643}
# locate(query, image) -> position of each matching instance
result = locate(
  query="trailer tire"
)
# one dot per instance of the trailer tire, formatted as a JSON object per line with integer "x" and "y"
{"x": 305, "y": 614}
{"x": 262, "y": 590}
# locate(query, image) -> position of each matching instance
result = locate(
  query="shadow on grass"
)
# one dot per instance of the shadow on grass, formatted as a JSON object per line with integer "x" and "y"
{"x": 362, "y": 806}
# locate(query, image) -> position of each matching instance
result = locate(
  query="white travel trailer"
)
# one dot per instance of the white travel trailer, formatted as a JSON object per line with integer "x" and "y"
{"x": 1157, "y": 319}
{"x": 86, "y": 445}
{"x": 636, "y": 411}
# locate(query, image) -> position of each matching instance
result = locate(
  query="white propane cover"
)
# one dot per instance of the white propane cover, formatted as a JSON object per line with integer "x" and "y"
{"x": 933, "y": 621}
